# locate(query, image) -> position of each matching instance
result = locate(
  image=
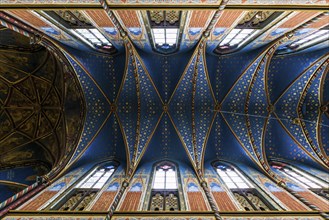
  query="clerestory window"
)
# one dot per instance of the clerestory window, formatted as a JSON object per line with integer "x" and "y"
{"x": 249, "y": 27}
{"x": 164, "y": 195}
{"x": 78, "y": 24}
{"x": 313, "y": 38}
{"x": 84, "y": 192}
{"x": 94, "y": 37}
{"x": 164, "y": 30}
{"x": 243, "y": 190}
{"x": 307, "y": 180}
{"x": 236, "y": 38}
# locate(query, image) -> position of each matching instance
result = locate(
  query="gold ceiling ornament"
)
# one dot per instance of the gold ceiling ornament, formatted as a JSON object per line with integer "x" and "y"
{"x": 255, "y": 17}
{"x": 73, "y": 17}
{"x": 157, "y": 16}
{"x": 160, "y": 16}
{"x": 172, "y": 16}
{"x": 41, "y": 104}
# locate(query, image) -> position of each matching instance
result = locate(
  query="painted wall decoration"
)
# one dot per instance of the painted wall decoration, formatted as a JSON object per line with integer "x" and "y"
{"x": 305, "y": 193}
{"x": 53, "y": 192}
{"x": 195, "y": 197}
{"x": 133, "y": 200}
{"x": 105, "y": 198}
{"x": 225, "y": 201}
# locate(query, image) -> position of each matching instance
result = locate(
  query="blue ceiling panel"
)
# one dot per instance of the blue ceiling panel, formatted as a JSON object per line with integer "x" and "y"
{"x": 165, "y": 70}
{"x": 287, "y": 106}
{"x": 151, "y": 108}
{"x": 204, "y": 105}
{"x": 222, "y": 144}
{"x": 108, "y": 144}
{"x": 324, "y": 131}
{"x": 105, "y": 69}
{"x": 165, "y": 144}
{"x": 309, "y": 108}
{"x": 180, "y": 106}
{"x": 127, "y": 107}
{"x": 233, "y": 107}
{"x": 279, "y": 144}
{"x": 284, "y": 69}
{"x": 98, "y": 107}
{"x": 224, "y": 70}
{"x": 257, "y": 106}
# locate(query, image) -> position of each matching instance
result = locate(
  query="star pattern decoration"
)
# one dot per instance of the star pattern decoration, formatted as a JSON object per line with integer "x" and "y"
{"x": 300, "y": 105}
{"x": 192, "y": 108}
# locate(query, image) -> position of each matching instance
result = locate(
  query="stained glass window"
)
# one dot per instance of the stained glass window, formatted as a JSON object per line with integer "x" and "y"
{"x": 83, "y": 193}
{"x": 243, "y": 190}
{"x": 165, "y": 178}
{"x": 94, "y": 37}
{"x": 163, "y": 36}
{"x": 300, "y": 176}
{"x": 164, "y": 195}
{"x": 97, "y": 179}
{"x": 164, "y": 30}
{"x": 305, "y": 179}
{"x": 233, "y": 178}
{"x": 237, "y": 37}
{"x": 311, "y": 39}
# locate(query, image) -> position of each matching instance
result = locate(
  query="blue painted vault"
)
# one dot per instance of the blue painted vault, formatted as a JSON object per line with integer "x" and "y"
{"x": 137, "y": 105}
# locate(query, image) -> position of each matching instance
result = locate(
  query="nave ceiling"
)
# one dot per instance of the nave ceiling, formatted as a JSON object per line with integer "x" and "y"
{"x": 196, "y": 102}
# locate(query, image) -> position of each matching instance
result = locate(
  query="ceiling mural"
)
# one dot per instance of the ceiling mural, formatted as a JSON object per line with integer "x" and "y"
{"x": 42, "y": 107}
{"x": 195, "y": 85}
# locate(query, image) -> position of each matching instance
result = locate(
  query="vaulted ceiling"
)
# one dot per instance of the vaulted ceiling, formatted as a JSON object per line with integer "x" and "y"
{"x": 42, "y": 106}
{"x": 197, "y": 100}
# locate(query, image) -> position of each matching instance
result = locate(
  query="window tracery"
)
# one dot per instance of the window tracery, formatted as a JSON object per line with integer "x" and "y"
{"x": 310, "y": 39}
{"x": 79, "y": 25}
{"x": 84, "y": 192}
{"x": 165, "y": 30}
{"x": 307, "y": 180}
{"x": 243, "y": 190}
{"x": 164, "y": 195}
{"x": 250, "y": 26}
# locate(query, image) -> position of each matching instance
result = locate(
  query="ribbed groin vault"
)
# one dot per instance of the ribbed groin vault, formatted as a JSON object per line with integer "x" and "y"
{"x": 42, "y": 110}
{"x": 164, "y": 110}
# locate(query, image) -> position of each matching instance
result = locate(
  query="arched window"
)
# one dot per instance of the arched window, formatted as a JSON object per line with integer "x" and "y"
{"x": 249, "y": 27}
{"x": 164, "y": 195}
{"x": 243, "y": 190}
{"x": 164, "y": 30}
{"x": 307, "y": 180}
{"x": 83, "y": 193}
{"x": 311, "y": 39}
{"x": 81, "y": 27}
